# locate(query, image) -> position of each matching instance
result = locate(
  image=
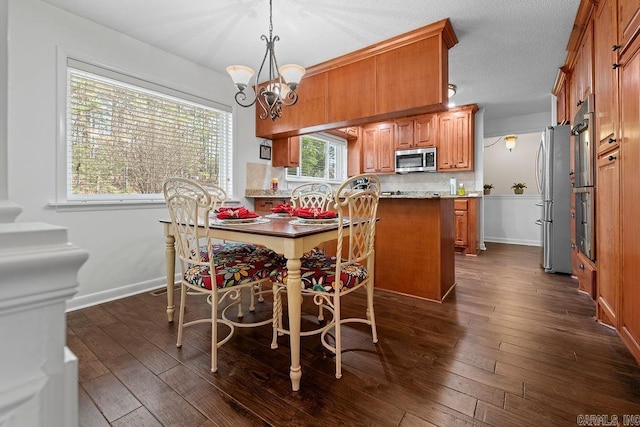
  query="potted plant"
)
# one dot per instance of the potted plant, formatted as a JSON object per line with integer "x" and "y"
{"x": 487, "y": 189}
{"x": 518, "y": 187}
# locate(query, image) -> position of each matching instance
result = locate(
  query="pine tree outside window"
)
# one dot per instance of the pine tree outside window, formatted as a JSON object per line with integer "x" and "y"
{"x": 322, "y": 158}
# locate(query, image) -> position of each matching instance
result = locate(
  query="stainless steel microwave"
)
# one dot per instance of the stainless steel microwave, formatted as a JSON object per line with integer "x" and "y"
{"x": 416, "y": 160}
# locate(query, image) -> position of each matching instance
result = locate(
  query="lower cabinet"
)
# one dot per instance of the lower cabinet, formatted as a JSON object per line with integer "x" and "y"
{"x": 465, "y": 225}
{"x": 608, "y": 237}
{"x": 265, "y": 205}
{"x": 586, "y": 274}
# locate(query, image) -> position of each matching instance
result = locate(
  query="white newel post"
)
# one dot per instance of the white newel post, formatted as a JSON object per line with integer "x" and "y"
{"x": 38, "y": 373}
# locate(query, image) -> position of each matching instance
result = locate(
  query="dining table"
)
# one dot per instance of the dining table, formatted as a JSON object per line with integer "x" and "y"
{"x": 285, "y": 235}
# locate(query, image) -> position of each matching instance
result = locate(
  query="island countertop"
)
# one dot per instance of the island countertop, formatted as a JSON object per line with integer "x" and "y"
{"x": 285, "y": 194}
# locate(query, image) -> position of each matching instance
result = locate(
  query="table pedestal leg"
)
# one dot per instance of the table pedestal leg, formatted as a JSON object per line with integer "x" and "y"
{"x": 294, "y": 298}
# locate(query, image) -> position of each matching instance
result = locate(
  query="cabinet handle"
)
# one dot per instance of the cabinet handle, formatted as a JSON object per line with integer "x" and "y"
{"x": 615, "y": 47}
{"x": 612, "y": 140}
{"x": 573, "y": 246}
{"x": 612, "y": 158}
{"x": 614, "y": 66}
{"x": 581, "y": 267}
{"x": 579, "y": 103}
{"x": 573, "y": 215}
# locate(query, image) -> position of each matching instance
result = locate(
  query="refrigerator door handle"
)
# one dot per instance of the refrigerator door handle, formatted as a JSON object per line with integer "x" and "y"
{"x": 539, "y": 204}
{"x": 538, "y": 222}
{"x": 538, "y": 172}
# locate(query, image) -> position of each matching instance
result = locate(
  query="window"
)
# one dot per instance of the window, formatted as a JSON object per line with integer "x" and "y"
{"x": 322, "y": 158}
{"x": 125, "y": 136}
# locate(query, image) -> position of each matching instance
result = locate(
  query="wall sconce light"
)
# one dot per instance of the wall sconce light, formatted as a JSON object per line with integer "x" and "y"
{"x": 450, "y": 92}
{"x": 510, "y": 141}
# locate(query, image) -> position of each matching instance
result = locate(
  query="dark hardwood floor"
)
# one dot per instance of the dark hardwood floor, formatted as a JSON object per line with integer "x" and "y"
{"x": 510, "y": 346}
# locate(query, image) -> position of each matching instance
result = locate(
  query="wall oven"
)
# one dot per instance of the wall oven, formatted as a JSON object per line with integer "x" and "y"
{"x": 584, "y": 150}
{"x": 416, "y": 160}
{"x": 585, "y": 233}
{"x": 584, "y": 185}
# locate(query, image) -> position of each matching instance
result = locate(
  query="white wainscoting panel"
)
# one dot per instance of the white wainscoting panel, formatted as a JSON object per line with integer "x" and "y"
{"x": 512, "y": 219}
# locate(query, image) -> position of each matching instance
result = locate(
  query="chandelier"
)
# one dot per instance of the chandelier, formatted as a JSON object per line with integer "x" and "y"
{"x": 280, "y": 87}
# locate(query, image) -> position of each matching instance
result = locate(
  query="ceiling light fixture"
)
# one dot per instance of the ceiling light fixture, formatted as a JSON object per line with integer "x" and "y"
{"x": 510, "y": 141}
{"x": 280, "y": 87}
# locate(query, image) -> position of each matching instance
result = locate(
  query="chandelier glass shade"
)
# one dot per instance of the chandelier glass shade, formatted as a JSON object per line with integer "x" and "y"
{"x": 279, "y": 88}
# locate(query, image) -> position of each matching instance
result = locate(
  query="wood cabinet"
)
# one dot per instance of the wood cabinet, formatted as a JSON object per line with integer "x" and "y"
{"x": 586, "y": 273}
{"x": 402, "y": 76}
{"x": 414, "y": 247}
{"x": 285, "y": 152}
{"x": 562, "y": 101}
{"x": 608, "y": 237}
{"x": 378, "y": 151}
{"x": 629, "y": 326}
{"x": 416, "y": 132}
{"x": 265, "y": 204}
{"x": 465, "y": 225}
{"x": 628, "y": 20}
{"x": 605, "y": 40}
{"x": 456, "y": 139}
{"x": 582, "y": 75}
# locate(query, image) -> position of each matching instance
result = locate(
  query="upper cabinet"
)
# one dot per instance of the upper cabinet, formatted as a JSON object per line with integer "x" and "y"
{"x": 456, "y": 139}
{"x": 416, "y": 132}
{"x": 582, "y": 76}
{"x": 285, "y": 152}
{"x": 606, "y": 63}
{"x": 378, "y": 154}
{"x": 628, "y": 20}
{"x": 402, "y": 76}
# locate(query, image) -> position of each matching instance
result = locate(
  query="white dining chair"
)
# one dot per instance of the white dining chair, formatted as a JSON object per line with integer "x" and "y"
{"x": 329, "y": 278}
{"x": 207, "y": 268}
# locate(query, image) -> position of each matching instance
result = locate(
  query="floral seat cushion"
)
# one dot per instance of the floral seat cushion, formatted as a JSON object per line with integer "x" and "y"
{"x": 318, "y": 273}
{"x": 228, "y": 247}
{"x": 234, "y": 269}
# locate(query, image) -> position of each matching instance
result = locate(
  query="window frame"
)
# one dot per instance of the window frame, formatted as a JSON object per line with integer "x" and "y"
{"x": 327, "y": 138}
{"x": 63, "y": 201}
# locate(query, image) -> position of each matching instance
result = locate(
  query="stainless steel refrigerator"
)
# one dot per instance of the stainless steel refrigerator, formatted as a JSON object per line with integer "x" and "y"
{"x": 552, "y": 173}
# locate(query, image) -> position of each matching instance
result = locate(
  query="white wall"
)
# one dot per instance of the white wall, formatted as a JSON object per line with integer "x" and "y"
{"x": 126, "y": 246}
{"x": 511, "y": 219}
{"x": 503, "y": 168}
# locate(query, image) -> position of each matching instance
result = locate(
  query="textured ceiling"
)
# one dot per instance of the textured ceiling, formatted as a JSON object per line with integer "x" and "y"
{"x": 506, "y": 59}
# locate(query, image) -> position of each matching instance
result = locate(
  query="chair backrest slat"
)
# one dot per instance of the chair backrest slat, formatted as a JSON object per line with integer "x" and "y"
{"x": 317, "y": 195}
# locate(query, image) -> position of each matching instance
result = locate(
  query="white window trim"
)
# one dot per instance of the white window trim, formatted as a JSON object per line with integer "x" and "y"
{"x": 102, "y": 202}
{"x": 336, "y": 140}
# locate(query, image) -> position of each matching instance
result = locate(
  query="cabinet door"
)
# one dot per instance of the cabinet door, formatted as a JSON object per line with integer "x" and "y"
{"x": 369, "y": 136}
{"x": 461, "y": 227}
{"x": 378, "y": 149}
{"x": 455, "y": 141}
{"x": 286, "y": 152}
{"x": 424, "y": 129}
{"x": 606, "y": 77}
{"x": 608, "y": 237}
{"x": 628, "y": 19}
{"x": 561, "y": 105}
{"x": 630, "y": 238}
{"x": 404, "y": 134}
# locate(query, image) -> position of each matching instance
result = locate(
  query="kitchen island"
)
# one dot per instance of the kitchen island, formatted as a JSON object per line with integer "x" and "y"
{"x": 415, "y": 245}
{"x": 415, "y": 241}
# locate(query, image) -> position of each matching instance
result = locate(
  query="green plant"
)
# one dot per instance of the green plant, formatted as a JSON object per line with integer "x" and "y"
{"x": 519, "y": 185}
{"x": 488, "y": 186}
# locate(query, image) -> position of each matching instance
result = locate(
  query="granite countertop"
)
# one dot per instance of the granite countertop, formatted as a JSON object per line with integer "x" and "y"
{"x": 285, "y": 194}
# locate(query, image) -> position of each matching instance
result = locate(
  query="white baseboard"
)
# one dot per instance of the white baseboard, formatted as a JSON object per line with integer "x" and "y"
{"x": 512, "y": 241}
{"x": 113, "y": 294}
